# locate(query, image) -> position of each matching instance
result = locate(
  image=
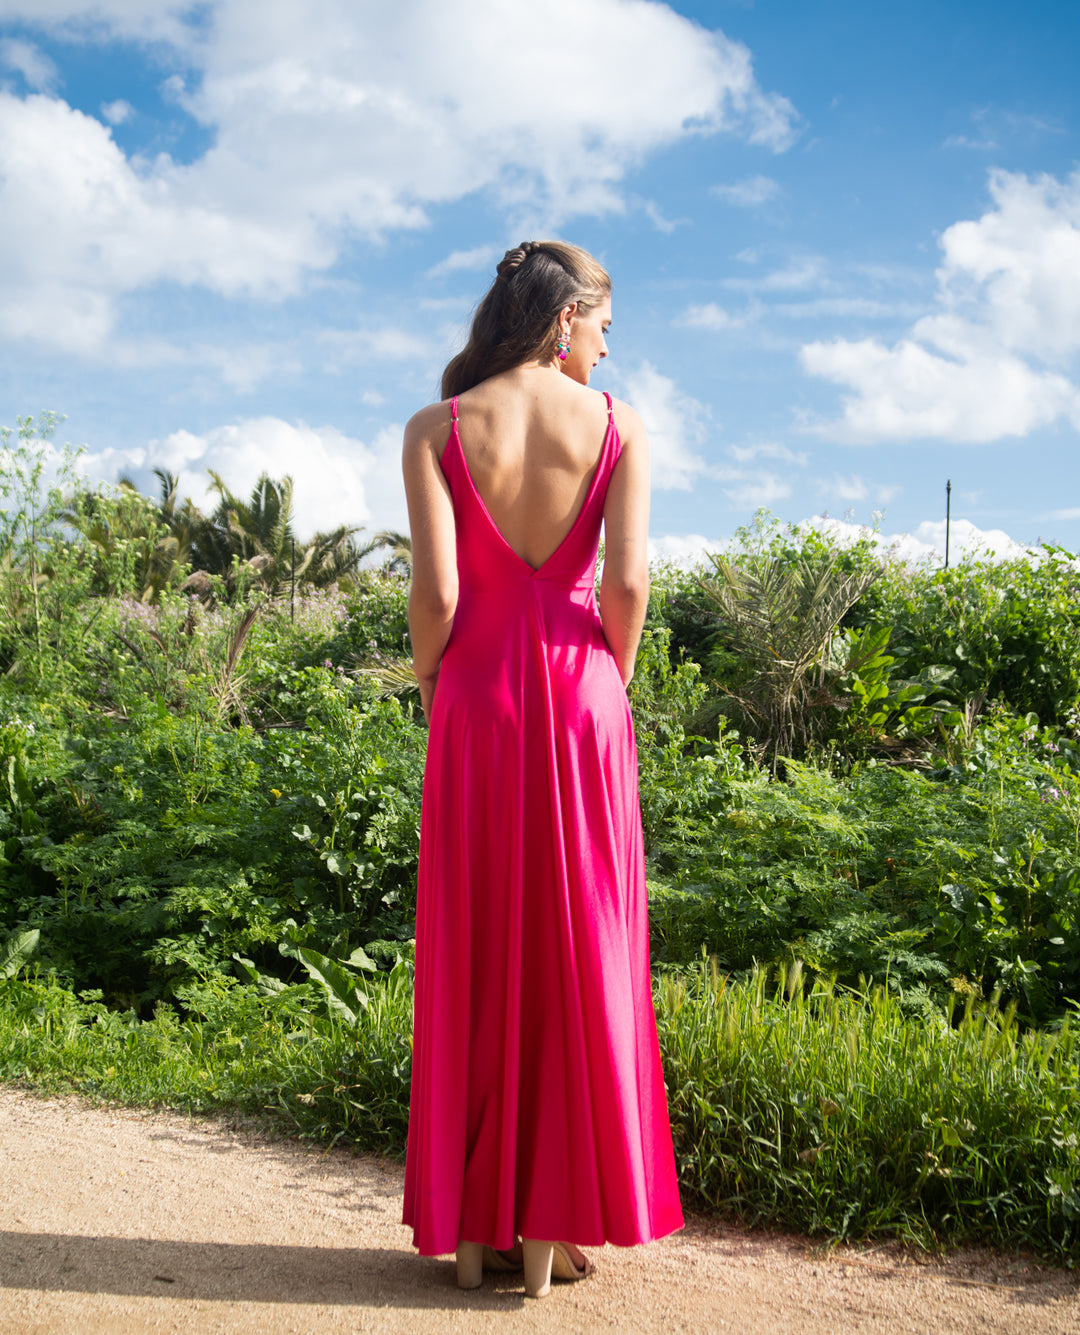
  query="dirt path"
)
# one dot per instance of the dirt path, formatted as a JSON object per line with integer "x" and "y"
{"x": 113, "y": 1221}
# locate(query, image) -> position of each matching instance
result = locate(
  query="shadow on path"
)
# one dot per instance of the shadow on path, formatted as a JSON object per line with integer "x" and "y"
{"x": 240, "y": 1272}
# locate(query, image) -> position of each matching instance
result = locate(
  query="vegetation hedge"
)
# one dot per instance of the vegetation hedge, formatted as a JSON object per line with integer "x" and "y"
{"x": 209, "y": 817}
{"x": 832, "y": 1112}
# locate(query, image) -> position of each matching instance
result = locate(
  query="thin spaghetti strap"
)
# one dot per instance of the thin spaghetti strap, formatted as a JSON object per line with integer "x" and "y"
{"x": 610, "y": 408}
{"x": 453, "y": 408}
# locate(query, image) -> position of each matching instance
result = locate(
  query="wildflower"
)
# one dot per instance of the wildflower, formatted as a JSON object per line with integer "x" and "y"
{"x": 276, "y": 792}
{"x": 1050, "y": 795}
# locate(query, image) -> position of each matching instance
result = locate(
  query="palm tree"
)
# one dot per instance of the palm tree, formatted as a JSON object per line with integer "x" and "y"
{"x": 400, "y": 545}
{"x": 779, "y": 613}
{"x": 258, "y": 533}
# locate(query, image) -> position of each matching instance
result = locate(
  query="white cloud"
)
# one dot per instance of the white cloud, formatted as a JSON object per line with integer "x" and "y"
{"x": 479, "y": 257}
{"x": 337, "y": 479}
{"x": 686, "y": 550}
{"x": 965, "y": 141}
{"x": 333, "y": 121}
{"x": 675, "y": 423}
{"x": 745, "y": 454}
{"x": 925, "y": 544}
{"x": 659, "y": 220}
{"x": 908, "y": 391}
{"x": 798, "y": 276}
{"x": 994, "y": 359}
{"x": 853, "y": 488}
{"x": 994, "y": 125}
{"x": 350, "y": 347}
{"x": 39, "y": 72}
{"x": 865, "y": 308}
{"x": 116, "y": 113}
{"x": 164, "y": 20}
{"x": 79, "y": 225}
{"x": 748, "y": 194}
{"x": 758, "y": 492}
{"x": 710, "y": 316}
{"x": 927, "y": 541}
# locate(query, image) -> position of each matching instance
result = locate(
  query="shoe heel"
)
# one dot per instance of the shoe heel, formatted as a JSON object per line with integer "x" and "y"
{"x": 470, "y": 1265}
{"x": 537, "y": 1257}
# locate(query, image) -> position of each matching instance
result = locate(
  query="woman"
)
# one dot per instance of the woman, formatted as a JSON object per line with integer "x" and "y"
{"x": 538, "y": 1106}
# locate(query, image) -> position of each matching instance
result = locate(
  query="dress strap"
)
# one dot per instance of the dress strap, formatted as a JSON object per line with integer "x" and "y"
{"x": 610, "y": 408}
{"x": 453, "y": 408}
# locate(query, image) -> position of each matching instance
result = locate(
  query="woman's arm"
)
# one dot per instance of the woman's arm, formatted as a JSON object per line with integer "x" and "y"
{"x": 624, "y": 583}
{"x": 433, "y": 593}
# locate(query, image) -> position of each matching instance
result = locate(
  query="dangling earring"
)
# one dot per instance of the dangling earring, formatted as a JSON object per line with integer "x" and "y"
{"x": 562, "y": 347}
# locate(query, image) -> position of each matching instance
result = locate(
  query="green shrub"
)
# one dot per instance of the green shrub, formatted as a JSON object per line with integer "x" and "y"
{"x": 830, "y": 1111}
{"x": 837, "y": 1113}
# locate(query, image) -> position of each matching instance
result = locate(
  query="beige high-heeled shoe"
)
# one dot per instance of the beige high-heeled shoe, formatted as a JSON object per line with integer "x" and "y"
{"x": 473, "y": 1258}
{"x": 563, "y": 1265}
{"x": 547, "y": 1260}
{"x": 538, "y": 1257}
{"x": 470, "y": 1265}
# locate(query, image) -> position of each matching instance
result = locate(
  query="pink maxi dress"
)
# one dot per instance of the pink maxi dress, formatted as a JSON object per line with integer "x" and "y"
{"x": 538, "y": 1106}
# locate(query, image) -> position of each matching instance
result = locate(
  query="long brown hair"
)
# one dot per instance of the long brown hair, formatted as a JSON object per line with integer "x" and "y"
{"x": 518, "y": 319}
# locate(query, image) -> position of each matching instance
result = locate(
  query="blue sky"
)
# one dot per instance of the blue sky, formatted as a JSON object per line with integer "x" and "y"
{"x": 845, "y": 241}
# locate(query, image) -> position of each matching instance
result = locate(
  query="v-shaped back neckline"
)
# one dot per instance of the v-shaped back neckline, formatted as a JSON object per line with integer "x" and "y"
{"x": 455, "y": 435}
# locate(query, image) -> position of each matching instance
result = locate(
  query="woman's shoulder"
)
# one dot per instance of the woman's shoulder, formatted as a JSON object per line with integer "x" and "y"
{"x": 627, "y": 420}
{"x": 431, "y": 425}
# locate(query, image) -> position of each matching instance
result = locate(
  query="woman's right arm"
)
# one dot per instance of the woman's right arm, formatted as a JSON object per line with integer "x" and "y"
{"x": 433, "y": 593}
{"x": 624, "y": 583}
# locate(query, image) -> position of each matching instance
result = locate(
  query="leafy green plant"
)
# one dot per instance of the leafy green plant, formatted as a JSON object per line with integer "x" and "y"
{"x": 779, "y": 616}
{"x": 877, "y": 712}
{"x": 827, "y": 1110}
{"x": 839, "y": 1113}
{"x": 16, "y": 951}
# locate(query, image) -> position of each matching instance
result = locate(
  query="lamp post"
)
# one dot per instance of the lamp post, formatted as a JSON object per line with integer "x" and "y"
{"x": 948, "y": 509}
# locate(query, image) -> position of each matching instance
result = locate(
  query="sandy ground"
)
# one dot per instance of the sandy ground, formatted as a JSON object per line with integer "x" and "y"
{"x": 115, "y": 1221}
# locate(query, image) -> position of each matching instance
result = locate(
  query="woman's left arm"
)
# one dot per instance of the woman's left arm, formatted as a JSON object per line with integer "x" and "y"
{"x": 433, "y": 594}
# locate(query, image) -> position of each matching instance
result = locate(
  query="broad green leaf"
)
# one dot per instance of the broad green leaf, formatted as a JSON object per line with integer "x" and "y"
{"x": 16, "y": 950}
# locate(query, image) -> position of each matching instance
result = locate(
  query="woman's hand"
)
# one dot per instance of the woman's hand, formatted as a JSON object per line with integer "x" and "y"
{"x": 427, "y": 693}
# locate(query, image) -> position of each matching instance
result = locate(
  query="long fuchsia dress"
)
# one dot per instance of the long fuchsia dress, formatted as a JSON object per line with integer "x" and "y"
{"x": 538, "y": 1105}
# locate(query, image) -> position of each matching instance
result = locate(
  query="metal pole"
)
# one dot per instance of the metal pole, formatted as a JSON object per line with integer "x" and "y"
{"x": 948, "y": 510}
{"x": 292, "y": 591}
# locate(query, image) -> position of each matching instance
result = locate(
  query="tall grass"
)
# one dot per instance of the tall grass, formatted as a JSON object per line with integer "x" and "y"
{"x": 825, "y": 1111}
{"x": 837, "y": 1113}
{"x": 285, "y": 1058}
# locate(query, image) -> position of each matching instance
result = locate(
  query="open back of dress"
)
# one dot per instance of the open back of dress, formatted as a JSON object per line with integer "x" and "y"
{"x": 538, "y": 1104}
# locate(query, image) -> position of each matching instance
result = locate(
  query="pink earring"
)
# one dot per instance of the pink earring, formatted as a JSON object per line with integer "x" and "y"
{"x": 562, "y": 347}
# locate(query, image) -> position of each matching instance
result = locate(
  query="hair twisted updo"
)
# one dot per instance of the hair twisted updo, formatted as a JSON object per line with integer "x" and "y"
{"x": 518, "y": 319}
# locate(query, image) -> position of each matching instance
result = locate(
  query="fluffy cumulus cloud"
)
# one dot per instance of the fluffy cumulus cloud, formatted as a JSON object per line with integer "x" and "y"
{"x": 678, "y": 428}
{"x": 24, "y": 58}
{"x": 708, "y": 315}
{"x": 336, "y": 479}
{"x": 686, "y": 550}
{"x": 675, "y": 423}
{"x": 926, "y": 543}
{"x": 343, "y": 119}
{"x": 998, "y": 357}
{"x": 79, "y": 225}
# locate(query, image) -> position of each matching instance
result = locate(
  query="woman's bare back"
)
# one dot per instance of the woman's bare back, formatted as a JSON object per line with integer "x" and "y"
{"x": 532, "y": 442}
